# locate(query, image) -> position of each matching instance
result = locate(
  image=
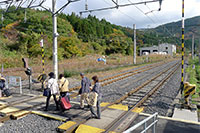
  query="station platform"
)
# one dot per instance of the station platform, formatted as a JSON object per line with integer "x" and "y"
{"x": 170, "y": 125}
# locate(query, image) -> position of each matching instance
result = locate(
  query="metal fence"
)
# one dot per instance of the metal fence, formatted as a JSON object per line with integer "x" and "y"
{"x": 14, "y": 81}
{"x": 153, "y": 117}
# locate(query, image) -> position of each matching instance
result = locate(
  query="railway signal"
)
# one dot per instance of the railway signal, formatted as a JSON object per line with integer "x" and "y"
{"x": 28, "y": 71}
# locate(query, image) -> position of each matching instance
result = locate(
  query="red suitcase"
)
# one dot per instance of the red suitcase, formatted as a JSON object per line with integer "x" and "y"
{"x": 65, "y": 103}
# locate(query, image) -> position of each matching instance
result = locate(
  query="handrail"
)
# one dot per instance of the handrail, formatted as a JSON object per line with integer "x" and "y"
{"x": 155, "y": 115}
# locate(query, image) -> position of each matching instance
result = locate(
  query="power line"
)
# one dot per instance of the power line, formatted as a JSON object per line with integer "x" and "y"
{"x": 119, "y": 5}
{"x": 121, "y": 12}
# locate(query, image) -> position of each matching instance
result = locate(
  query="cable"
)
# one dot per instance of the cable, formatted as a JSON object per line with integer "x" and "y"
{"x": 121, "y": 12}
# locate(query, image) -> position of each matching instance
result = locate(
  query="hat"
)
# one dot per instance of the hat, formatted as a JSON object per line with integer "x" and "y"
{"x": 51, "y": 75}
{"x": 82, "y": 74}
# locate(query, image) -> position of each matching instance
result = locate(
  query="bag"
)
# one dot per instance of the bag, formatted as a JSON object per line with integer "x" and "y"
{"x": 80, "y": 91}
{"x": 92, "y": 97}
{"x": 46, "y": 92}
{"x": 2, "y": 84}
{"x": 65, "y": 104}
{"x": 6, "y": 92}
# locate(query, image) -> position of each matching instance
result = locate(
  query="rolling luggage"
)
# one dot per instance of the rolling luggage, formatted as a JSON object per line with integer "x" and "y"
{"x": 6, "y": 92}
{"x": 65, "y": 104}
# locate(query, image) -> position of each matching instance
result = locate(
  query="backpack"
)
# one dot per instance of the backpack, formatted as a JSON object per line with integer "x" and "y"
{"x": 2, "y": 84}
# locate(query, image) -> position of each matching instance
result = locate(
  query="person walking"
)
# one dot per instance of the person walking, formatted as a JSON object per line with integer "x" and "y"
{"x": 63, "y": 86}
{"x": 96, "y": 89}
{"x": 84, "y": 90}
{"x": 53, "y": 86}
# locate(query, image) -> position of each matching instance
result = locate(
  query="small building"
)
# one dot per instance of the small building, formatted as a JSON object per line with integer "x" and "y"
{"x": 164, "y": 48}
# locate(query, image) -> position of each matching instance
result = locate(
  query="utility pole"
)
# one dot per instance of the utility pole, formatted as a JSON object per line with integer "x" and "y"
{"x": 199, "y": 51}
{"x": 183, "y": 52}
{"x": 134, "y": 54}
{"x": 193, "y": 46}
{"x": 55, "y": 35}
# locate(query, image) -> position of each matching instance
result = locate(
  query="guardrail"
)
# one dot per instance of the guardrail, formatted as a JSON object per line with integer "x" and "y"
{"x": 14, "y": 81}
{"x": 144, "y": 123}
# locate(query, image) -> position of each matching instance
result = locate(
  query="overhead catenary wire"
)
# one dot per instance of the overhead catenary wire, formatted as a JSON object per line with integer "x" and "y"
{"x": 119, "y": 5}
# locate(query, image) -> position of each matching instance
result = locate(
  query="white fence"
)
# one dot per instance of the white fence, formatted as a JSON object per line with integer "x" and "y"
{"x": 144, "y": 123}
{"x": 14, "y": 81}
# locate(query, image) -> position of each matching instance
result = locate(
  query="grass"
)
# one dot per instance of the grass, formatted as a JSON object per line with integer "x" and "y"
{"x": 88, "y": 64}
{"x": 194, "y": 78}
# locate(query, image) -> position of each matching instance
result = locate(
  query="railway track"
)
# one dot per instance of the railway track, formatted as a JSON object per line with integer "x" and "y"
{"x": 133, "y": 99}
{"x": 137, "y": 97}
{"x": 109, "y": 80}
{"x": 86, "y": 116}
{"x": 121, "y": 76}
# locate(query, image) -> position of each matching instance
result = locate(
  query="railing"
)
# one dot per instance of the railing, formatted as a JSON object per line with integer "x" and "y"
{"x": 144, "y": 122}
{"x": 14, "y": 81}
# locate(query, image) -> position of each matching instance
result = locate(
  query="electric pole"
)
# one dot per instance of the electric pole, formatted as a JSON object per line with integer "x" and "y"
{"x": 199, "y": 51}
{"x": 193, "y": 46}
{"x": 134, "y": 49}
{"x": 55, "y": 35}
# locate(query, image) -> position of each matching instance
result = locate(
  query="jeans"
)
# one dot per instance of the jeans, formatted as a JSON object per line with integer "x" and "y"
{"x": 47, "y": 101}
{"x": 98, "y": 115}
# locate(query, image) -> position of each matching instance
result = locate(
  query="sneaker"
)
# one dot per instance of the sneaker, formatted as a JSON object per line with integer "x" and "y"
{"x": 81, "y": 108}
{"x": 97, "y": 117}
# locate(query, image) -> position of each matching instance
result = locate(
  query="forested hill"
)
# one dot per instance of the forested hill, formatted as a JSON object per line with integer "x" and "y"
{"x": 77, "y": 36}
{"x": 192, "y": 25}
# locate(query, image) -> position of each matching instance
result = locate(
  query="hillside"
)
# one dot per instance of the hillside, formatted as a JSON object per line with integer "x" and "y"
{"x": 192, "y": 25}
{"x": 77, "y": 36}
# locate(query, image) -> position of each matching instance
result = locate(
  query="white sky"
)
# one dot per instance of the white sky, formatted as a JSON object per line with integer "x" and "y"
{"x": 127, "y": 16}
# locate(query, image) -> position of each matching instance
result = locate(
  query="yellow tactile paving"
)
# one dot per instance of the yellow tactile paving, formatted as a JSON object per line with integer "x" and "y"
{"x": 4, "y": 98}
{"x": 52, "y": 116}
{"x": 9, "y": 110}
{"x": 115, "y": 106}
{"x": 67, "y": 125}
{"x": 88, "y": 129}
{"x": 104, "y": 104}
{"x": 138, "y": 110}
{"x": 119, "y": 107}
{"x": 21, "y": 113}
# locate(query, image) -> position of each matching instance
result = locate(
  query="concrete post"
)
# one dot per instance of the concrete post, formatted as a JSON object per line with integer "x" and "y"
{"x": 199, "y": 51}
{"x": 134, "y": 55}
{"x": 55, "y": 35}
{"x": 193, "y": 46}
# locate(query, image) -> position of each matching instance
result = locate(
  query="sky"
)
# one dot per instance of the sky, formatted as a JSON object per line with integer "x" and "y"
{"x": 171, "y": 11}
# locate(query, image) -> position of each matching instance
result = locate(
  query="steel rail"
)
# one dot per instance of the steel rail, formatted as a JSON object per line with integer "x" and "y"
{"x": 123, "y": 73}
{"x": 123, "y": 117}
{"x": 87, "y": 117}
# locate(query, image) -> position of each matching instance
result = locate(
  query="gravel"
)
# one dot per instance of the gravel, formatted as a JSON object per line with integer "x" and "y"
{"x": 111, "y": 92}
{"x": 114, "y": 91}
{"x": 30, "y": 124}
{"x": 165, "y": 96}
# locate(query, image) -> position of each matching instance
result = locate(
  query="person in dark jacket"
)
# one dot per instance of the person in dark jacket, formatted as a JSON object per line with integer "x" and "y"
{"x": 97, "y": 89}
{"x": 84, "y": 90}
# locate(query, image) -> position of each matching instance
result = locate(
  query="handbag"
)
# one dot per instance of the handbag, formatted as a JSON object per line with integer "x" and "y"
{"x": 92, "y": 98}
{"x": 47, "y": 91}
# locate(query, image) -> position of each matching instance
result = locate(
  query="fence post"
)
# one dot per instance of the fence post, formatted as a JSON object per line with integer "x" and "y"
{"x": 20, "y": 85}
{"x": 145, "y": 126}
